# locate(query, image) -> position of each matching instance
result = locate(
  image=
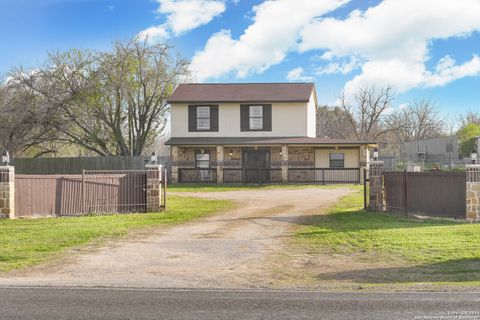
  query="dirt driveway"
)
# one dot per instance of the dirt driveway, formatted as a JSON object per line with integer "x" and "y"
{"x": 229, "y": 250}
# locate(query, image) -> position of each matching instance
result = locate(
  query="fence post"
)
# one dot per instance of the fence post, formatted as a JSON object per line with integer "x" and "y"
{"x": 153, "y": 192}
{"x": 473, "y": 192}
{"x": 376, "y": 186}
{"x": 164, "y": 184}
{"x": 7, "y": 192}
{"x": 405, "y": 191}
{"x": 364, "y": 189}
{"x": 83, "y": 192}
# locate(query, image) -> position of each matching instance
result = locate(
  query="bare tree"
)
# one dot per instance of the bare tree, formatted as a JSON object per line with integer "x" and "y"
{"x": 471, "y": 117}
{"x": 367, "y": 111}
{"x": 21, "y": 126}
{"x": 333, "y": 122}
{"x": 419, "y": 120}
{"x": 110, "y": 103}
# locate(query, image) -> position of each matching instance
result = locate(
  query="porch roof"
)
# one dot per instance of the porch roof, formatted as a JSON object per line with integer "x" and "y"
{"x": 262, "y": 141}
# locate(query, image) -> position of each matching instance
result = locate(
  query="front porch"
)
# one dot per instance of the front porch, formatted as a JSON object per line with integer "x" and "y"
{"x": 269, "y": 164}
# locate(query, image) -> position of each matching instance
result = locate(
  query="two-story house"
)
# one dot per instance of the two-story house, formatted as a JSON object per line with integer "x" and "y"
{"x": 256, "y": 132}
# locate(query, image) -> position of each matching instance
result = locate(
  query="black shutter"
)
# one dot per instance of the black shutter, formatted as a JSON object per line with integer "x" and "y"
{"x": 244, "y": 118}
{"x": 192, "y": 118}
{"x": 214, "y": 118}
{"x": 267, "y": 117}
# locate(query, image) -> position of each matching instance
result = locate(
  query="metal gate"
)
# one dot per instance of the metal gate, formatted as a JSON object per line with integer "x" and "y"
{"x": 94, "y": 191}
{"x": 438, "y": 194}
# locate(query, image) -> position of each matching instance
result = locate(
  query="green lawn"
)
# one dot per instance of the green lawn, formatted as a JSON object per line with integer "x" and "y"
{"x": 188, "y": 187}
{"x": 31, "y": 241}
{"x": 417, "y": 251}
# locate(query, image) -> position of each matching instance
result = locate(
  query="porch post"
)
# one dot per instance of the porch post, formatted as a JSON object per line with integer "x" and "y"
{"x": 473, "y": 192}
{"x": 376, "y": 187}
{"x": 174, "y": 163}
{"x": 284, "y": 163}
{"x": 7, "y": 192}
{"x": 364, "y": 161}
{"x": 220, "y": 159}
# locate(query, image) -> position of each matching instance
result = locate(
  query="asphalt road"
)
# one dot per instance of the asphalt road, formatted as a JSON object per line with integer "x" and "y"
{"x": 108, "y": 303}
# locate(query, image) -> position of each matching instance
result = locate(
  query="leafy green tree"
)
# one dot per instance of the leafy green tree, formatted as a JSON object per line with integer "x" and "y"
{"x": 110, "y": 103}
{"x": 466, "y": 136}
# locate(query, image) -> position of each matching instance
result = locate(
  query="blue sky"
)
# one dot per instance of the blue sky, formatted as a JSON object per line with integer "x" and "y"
{"x": 425, "y": 49}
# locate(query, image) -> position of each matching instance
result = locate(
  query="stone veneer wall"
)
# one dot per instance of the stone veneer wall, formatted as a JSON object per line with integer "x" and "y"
{"x": 234, "y": 160}
{"x": 154, "y": 187}
{"x": 473, "y": 192}
{"x": 7, "y": 192}
{"x": 301, "y": 154}
{"x": 276, "y": 157}
{"x": 187, "y": 154}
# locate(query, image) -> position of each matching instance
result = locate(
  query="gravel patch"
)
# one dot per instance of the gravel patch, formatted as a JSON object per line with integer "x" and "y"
{"x": 228, "y": 250}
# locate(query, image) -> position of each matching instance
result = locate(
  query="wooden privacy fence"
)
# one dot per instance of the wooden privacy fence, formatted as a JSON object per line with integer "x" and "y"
{"x": 75, "y": 165}
{"x": 93, "y": 192}
{"x": 438, "y": 194}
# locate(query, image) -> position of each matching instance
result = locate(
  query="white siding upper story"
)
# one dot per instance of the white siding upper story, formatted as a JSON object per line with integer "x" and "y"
{"x": 289, "y": 119}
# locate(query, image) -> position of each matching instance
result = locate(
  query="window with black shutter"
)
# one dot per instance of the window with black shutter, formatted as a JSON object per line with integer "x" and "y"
{"x": 256, "y": 117}
{"x": 203, "y": 118}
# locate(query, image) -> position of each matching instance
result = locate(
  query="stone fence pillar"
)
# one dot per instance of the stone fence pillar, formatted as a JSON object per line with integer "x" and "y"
{"x": 376, "y": 186}
{"x": 7, "y": 192}
{"x": 154, "y": 187}
{"x": 473, "y": 192}
{"x": 284, "y": 163}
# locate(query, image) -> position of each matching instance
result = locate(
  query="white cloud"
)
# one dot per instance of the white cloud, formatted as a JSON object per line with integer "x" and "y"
{"x": 155, "y": 33}
{"x": 297, "y": 74}
{"x": 393, "y": 39}
{"x": 273, "y": 33}
{"x": 183, "y": 16}
{"x": 344, "y": 67}
{"x": 447, "y": 71}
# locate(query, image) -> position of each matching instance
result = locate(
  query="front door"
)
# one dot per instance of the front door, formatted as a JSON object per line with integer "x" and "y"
{"x": 256, "y": 164}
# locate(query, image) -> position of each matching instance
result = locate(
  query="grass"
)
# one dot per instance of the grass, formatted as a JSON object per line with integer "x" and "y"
{"x": 187, "y": 187}
{"x": 32, "y": 241}
{"x": 408, "y": 249}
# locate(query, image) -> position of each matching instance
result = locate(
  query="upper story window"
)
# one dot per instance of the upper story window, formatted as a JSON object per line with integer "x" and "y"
{"x": 255, "y": 114}
{"x": 337, "y": 160}
{"x": 256, "y": 117}
{"x": 202, "y": 118}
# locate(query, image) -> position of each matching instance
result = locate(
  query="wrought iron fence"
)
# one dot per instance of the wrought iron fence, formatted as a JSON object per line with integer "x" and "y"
{"x": 324, "y": 175}
{"x": 197, "y": 175}
{"x": 252, "y": 175}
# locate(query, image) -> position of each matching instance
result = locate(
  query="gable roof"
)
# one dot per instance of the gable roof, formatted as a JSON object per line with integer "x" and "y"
{"x": 242, "y": 92}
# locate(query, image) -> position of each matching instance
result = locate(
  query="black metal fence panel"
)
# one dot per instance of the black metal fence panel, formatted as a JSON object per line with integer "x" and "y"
{"x": 324, "y": 175}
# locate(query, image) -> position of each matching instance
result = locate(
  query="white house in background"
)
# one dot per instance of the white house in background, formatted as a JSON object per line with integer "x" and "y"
{"x": 256, "y": 132}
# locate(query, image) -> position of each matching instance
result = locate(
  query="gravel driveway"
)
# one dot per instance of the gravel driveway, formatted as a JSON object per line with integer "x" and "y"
{"x": 228, "y": 250}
